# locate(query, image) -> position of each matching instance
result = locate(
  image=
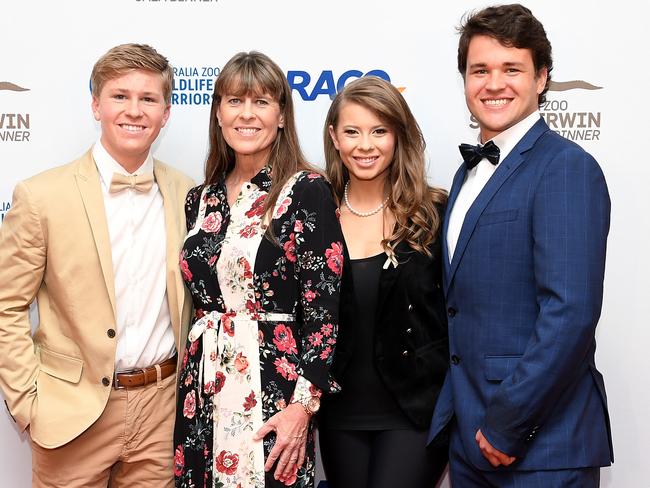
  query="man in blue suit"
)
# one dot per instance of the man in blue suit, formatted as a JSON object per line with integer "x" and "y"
{"x": 524, "y": 249}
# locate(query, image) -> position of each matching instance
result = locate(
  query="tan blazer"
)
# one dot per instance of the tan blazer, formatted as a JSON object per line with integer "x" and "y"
{"x": 55, "y": 247}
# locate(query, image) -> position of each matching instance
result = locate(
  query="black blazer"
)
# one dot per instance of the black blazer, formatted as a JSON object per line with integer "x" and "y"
{"x": 411, "y": 348}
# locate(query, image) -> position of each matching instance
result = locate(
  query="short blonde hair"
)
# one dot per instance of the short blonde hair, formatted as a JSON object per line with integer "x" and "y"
{"x": 127, "y": 57}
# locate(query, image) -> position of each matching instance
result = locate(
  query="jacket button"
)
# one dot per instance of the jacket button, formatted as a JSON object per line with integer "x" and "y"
{"x": 455, "y": 359}
{"x": 451, "y": 311}
{"x": 410, "y": 307}
{"x": 110, "y": 333}
{"x": 409, "y": 331}
{"x": 106, "y": 381}
{"x": 405, "y": 354}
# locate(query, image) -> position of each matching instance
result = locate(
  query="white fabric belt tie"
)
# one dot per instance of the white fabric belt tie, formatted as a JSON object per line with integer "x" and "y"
{"x": 208, "y": 326}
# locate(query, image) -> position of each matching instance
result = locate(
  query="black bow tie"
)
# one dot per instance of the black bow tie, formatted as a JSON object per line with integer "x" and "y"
{"x": 472, "y": 155}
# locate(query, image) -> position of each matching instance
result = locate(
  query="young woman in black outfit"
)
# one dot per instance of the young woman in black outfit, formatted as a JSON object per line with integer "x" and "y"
{"x": 391, "y": 354}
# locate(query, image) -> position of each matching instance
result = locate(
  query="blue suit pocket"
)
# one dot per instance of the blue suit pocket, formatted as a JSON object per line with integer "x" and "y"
{"x": 498, "y": 217}
{"x": 497, "y": 368}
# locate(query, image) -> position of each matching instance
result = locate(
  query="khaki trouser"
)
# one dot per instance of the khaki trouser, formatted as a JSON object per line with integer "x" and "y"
{"x": 130, "y": 445}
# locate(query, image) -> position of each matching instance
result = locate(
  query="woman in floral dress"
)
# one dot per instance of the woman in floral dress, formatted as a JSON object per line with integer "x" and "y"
{"x": 262, "y": 261}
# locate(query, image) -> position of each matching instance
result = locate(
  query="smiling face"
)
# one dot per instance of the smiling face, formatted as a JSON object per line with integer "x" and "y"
{"x": 131, "y": 110}
{"x": 365, "y": 143}
{"x": 501, "y": 85}
{"x": 249, "y": 124}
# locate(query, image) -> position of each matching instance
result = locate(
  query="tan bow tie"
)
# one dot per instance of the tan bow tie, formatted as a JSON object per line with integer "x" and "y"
{"x": 141, "y": 183}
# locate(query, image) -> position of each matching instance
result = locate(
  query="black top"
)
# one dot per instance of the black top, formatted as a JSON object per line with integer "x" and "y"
{"x": 410, "y": 352}
{"x": 364, "y": 403}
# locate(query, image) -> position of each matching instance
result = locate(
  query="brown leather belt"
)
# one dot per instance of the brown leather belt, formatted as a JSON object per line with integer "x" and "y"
{"x": 142, "y": 377}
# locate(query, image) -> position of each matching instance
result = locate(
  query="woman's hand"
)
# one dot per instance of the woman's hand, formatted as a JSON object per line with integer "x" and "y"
{"x": 290, "y": 426}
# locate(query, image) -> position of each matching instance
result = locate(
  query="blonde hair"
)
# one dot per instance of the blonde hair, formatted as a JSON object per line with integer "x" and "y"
{"x": 414, "y": 204}
{"x": 254, "y": 73}
{"x": 128, "y": 57}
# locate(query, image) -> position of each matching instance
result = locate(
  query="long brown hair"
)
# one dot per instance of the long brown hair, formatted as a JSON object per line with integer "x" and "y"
{"x": 254, "y": 73}
{"x": 413, "y": 202}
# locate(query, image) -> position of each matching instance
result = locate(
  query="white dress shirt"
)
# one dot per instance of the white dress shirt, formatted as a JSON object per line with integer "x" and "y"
{"x": 136, "y": 226}
{"x": 477, "y": 177}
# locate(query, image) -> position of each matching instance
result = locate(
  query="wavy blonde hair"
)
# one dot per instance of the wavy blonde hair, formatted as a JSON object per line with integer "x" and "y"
{"x": 415, "y": 205}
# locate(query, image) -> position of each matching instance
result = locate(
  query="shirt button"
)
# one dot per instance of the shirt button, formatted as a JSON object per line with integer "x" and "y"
{"x": 410, "y": 307}
{"x": 106, "y": 381}
{"x": 409, "y": 331}
{"x": 110, "y": 333}
{"x": 405, "y": 354}
{"x": 455, "y": 359}
{"x": 451, "y": 312}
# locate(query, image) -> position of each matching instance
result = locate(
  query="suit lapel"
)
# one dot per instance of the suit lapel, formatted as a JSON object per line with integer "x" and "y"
{"x": 89, "y": 186}
{"x": 459, "y": 178}
{"x": 507, "y": 167}
{"x": 173, "y": 232}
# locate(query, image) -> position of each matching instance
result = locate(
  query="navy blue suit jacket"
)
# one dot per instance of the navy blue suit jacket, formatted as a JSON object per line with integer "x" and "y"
{"x": 524, "y": 293}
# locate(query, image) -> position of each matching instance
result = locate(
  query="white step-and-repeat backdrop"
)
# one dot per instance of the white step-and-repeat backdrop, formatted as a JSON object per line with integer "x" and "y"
{"x": 600, "y": 47}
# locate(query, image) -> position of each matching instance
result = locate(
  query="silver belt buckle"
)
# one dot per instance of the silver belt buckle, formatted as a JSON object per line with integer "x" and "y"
{"x": 116, "y": 382}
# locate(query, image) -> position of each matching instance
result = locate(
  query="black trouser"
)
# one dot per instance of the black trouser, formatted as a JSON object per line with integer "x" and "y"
{"x": 380, "y": 458}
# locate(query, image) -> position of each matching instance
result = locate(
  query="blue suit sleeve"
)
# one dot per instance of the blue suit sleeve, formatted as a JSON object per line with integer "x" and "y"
{"x": 571, "y": 210}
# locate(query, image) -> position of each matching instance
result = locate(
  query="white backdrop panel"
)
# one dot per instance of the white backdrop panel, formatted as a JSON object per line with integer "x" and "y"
{"x": 50, "y": 48}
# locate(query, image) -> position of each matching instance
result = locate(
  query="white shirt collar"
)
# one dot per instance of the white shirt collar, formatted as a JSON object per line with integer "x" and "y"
{"x": 106, "y": 165}
{"x": 509, "y": 138}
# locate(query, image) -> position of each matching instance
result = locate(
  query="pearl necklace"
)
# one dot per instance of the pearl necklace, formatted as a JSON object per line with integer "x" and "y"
{"x": 356, "y": 212}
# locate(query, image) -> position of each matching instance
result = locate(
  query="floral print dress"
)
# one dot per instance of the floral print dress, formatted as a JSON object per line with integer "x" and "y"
{"x": 264, "y": 326}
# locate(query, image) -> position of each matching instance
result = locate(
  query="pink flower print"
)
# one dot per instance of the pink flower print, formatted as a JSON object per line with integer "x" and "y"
{"x": 326, "y": 329}
{"x": 185, "y": 269}
{"x": 248, "y": 231}
{"x": 316, "y": 339}
{"x": 290, "y": 248}
{"x": 257, "y": 209}
{"x": 246, "y": 267}
{"x": 228, "y": 325}
{"x": 249, "y": 401}
{"x": 284, "y": 339}
{"x": 189, "y": 405}
{"x": 208, "y": 388}
{"x": 219, "y": 382}
{"x": 282, "y": 208}
{"x": 227, "y": 462}
{"x": 326, "y": 353}
{"x": 241, "y": 362}
{"x": 334, "y": 257}
{"x": 179, "y": 460}
{"x": 309, "y": 295}
{"x": 212, "y": 222}
{"x": 297, "y": 226}
{"x": 285, "y": 368}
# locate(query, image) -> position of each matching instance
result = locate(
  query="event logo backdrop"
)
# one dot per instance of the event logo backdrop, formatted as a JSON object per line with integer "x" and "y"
{"x": 45, "y": 120}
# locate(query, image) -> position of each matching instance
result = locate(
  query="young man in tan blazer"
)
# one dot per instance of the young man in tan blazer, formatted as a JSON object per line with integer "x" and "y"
{"x": 96, "y": 243}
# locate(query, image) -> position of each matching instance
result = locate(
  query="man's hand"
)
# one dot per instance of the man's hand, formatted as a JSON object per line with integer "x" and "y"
{"x": 496, "y": 457}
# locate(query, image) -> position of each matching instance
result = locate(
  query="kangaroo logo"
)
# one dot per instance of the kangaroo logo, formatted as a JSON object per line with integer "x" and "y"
{"x": 8, "y": 86}
{"x": 560, "y": 86}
